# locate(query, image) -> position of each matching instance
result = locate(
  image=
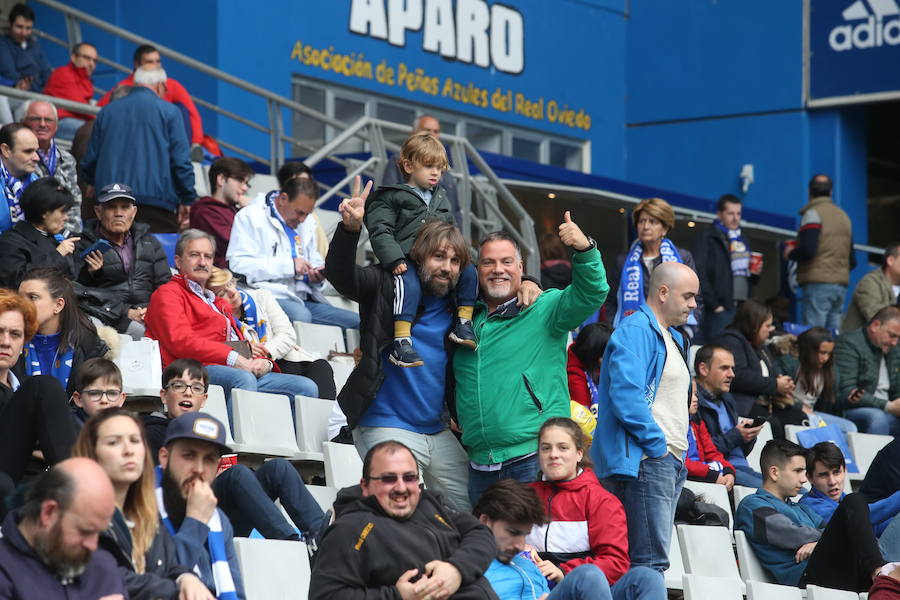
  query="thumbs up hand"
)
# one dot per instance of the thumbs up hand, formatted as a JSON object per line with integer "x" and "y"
{"x": 571, "y": 235}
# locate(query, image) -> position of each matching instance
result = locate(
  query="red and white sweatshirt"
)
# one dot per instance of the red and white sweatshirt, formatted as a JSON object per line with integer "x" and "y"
{"x": 586, "y": 526}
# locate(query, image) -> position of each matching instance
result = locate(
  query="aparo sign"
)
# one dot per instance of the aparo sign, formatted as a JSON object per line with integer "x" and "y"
{"x": 854, "y": 51}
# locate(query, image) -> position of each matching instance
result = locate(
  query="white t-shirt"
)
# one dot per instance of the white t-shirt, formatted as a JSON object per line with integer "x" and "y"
{"x": 670, "y": 407}
{"x": 884, "y": 383}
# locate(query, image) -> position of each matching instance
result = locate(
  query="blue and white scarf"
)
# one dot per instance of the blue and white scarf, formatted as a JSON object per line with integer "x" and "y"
{"x": 292, "y": 236}
{"x": 630, "y": 295}
{"x": 60, "y": 368}
{"x": 12, "y": 189}
{"x": 50, "y": 157}
{"x": 738, "y": 250}
{"x": 215, "y": 542}
{"x": 251, "y": 317}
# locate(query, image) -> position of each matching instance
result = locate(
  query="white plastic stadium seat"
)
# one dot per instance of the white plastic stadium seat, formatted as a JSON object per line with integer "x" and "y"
{"x": 814, "y": 592}
{"x": 263, "y": 423}
{"x": 343, "y": 467}
{"x": 216, "y": 406}
{"x": 706, "y": 550}
{"x": 790, "y": 432}
{"x": 262, "y": 184}
{"x": 201, "y": 180}
{"x": 759, "y": 590}
{"x": 312, "y": 426}
{"x": 740, "y": 492}
{"x": 704, "y": 587}
{"x": 341, "y": 370}
{"x": 352, "y": 339}
{"x": 324, "y": 495}
{"x": 319, "y": 339}
{"x": 713, "y": 493}
{"x": 273, "y": 569}
{"x": 751, "y": 568}
{"x": 765, "y": 434}
{"x": 864, "y": 447}
{"x": 673, "y": 575}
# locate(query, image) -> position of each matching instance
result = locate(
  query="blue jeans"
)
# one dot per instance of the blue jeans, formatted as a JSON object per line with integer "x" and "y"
{"x": 747, "y": 476}
{"x": 874, "y": 420}
{"x": 714, "y": 323}
{"x": 889, "y": 541}
{"x": 649, "y": 503}
{"x": 588, "y": 582}
{"x": 67, "y": 127}
{"x": 248, "y": 499}
{"x": 273, "y": 383}
{"x": 408, "y": 291}
{"x": 823, "y": 304}
{"x": 524, "y": 470}
{"x": 318, "y": 313}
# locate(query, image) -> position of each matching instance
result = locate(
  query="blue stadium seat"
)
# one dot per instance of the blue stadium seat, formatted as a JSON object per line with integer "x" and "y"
{"x": 167, "y": 241}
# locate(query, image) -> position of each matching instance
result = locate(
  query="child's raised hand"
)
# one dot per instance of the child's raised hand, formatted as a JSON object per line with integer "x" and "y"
{"x": 400, "y": 269}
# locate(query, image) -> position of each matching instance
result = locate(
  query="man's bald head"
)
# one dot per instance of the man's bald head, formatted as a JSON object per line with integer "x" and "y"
{"x": 673, "y": 293}
{"x": 428, "y": 124}
{"x": 91, "y": 481}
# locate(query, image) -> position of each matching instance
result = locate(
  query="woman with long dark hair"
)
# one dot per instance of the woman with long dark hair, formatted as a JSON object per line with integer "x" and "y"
{"x": 144, "y": 551}
{"x": 757, "y": 388}
{"x": 66, "y": 337}
{"x": 583, "y": 365}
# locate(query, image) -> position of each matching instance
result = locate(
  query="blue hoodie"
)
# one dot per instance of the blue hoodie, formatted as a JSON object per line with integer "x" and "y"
{"x": 518, "y": 580}
{"x": 629, "y": 377}
{"x": 881, "y": 513}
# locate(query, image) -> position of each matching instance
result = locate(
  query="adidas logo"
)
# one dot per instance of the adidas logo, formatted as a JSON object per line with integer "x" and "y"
{"x": 871, "y": 23}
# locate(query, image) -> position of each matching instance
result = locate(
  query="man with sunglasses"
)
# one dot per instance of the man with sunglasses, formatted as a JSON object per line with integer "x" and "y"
{"x": 73, "y": 82}
{"x": 393, "y": 539}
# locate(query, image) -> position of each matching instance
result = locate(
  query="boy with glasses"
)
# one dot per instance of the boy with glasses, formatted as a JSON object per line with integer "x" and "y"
{"x": 98, "y": 387}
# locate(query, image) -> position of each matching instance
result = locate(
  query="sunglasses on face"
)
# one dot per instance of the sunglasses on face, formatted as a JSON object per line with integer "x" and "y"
{"x": 391, "y": 478}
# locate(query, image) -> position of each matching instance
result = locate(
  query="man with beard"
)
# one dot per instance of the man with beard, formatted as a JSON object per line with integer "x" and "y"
{"x": 383, "y": 401}
{"x": 49, "y": 547}
{"x": 204, "y": 538}
{"x": 391, "y": 539}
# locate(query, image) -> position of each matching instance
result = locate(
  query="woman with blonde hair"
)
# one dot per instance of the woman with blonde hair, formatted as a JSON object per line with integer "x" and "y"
{"x": 143, "y": 550}
{"x": 653, "y": 218}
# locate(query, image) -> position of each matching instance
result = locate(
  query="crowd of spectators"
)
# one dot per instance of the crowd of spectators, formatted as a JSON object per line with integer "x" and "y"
{"x": 464, "y": 378}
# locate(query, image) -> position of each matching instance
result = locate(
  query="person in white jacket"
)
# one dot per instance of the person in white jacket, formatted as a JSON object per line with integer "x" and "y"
{"x": 273, "y": 245}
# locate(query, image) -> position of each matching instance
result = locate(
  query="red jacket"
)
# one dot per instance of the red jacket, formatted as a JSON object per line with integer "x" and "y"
{"x": 578, "y": 387}
{"x": 884, "y": 588}
{"x": 72, "y": 83}
{"x": 186, "y": 326}
{"x": 700, "y": 471}
{"x": 587, "y": 526}
{"x": 176, "y": 94}
{"x": 216, "y": 219}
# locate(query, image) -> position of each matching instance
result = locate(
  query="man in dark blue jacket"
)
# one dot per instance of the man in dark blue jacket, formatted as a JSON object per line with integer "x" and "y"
{"x": 140, "y": 140}
{"x": 22, "y": 61}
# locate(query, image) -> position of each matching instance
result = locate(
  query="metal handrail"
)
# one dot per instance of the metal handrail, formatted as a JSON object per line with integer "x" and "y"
{"x": 77, "y": 107}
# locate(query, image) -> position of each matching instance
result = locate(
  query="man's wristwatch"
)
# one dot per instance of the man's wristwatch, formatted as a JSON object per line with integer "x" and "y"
{"x": 593, "y": 244}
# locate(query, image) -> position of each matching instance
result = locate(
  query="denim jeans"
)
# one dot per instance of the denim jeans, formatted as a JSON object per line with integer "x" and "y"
{"x": 747, "y": 476}
{"x": 408, "y": 290}
{"x": 441, "y": 459}
{"x": 889, "y": 541}
{"x": 248, "y": 499}
{"x": 649, "y": 503}
{"x": 588, "y": 582}
{"x": 67, "y": 127}
{"x": 874, "y": 420}
{"x": 273, "y": 383}
{"x": 318, "y": 313}
{"x": 823, "y": 304}
{"x": 524, "y": 470}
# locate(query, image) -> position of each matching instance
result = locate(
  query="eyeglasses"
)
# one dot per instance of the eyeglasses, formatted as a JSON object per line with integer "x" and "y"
{"x": 392, "y": 478}
{"x": 40, "y": 119}
{"x": 181, "y": 387}
{"x": 94, "y": 395}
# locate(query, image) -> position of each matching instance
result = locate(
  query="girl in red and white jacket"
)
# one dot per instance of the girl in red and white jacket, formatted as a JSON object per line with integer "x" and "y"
{"x": 585, "y": 523}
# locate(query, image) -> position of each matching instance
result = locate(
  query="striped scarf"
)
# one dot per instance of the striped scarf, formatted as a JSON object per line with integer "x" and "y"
{"x": 49, "y": 157}
{"x": 251, "y": 319}
{"x": 13, "y": 188}
{"x": 630, "y": 294}
{"x": 215, "y": 542}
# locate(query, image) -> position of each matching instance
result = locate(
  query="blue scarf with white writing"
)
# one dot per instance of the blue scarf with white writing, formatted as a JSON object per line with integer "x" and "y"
{"x": 292, "y": 236}
{"x": 215, "y": 542}
{"x": 49, "y": 157}
{"x": 251, "y": 317}
{"x": 738, "y": 250}
{"x": 12, "y": 189}
{"x": 631, "y": 286}
{"x": 60, "y": 367}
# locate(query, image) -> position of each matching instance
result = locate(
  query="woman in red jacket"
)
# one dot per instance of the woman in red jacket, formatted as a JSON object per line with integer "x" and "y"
{"x": 585, "y": 523}
{"x": 583, "y": 367}
{"x": 704, "y": 462}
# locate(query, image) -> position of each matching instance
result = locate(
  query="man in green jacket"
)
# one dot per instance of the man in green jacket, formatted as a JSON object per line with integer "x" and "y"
{"x": 517, "y": 378}
{"x": 877, "y": 289}
{"x": 868, "y": 373}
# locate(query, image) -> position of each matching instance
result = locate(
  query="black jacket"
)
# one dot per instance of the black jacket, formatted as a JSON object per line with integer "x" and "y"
{"x": 883, "y": 477}
{"x": 713, "y": 262}
{"x": 91, "y": 346}
{"x": 110, "y": 292}
{"x": 725, "y": 441}
{"x": 749, "y": 383}
{"x": 161, "y": 564}
{"x": 24, "y": 247}
{"x": 365, "y": 551}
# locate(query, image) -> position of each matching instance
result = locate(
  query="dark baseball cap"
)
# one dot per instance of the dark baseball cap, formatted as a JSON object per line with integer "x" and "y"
{"x": 114, "y": 191}
{"x": 198, "y": 426}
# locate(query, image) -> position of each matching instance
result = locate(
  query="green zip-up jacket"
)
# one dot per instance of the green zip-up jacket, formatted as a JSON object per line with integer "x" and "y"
{"x": 516, "y": 379}
{"x": 856, "y": 364}
{"x": 395, "y": 214}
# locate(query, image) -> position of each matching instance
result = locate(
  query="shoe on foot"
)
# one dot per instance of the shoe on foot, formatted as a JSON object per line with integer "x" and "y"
{"x": 464, "y": 335}
{"x": 403, "y": 355}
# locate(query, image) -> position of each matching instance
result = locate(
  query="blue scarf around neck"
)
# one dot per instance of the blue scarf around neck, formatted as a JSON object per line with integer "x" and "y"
{"x": 60, "y": 365}
{"x": 738, "y": 250}
{"x": 630, "y": 294}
